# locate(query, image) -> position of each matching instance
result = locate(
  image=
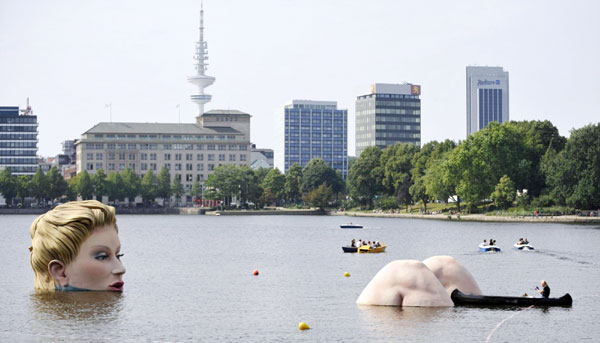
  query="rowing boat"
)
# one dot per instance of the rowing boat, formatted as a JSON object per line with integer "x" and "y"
{"x": 463, "y": 299}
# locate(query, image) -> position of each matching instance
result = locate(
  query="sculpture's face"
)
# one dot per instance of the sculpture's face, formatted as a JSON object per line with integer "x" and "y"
{"x": 98, "y": 266}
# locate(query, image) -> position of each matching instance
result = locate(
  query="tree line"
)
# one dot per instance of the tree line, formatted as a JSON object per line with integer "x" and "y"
{"x": 527, "y": 163}
{"x": 117, "y": 186}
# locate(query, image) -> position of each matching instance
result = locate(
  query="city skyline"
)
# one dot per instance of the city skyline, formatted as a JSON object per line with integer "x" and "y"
{"x": 71, "y": 59}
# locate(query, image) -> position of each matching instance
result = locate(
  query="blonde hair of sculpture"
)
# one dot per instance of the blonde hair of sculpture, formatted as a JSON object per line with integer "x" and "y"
{"x": 59, "y": 233}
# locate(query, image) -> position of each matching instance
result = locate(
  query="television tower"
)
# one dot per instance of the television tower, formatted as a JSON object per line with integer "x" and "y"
{"x": 200, "y": 79}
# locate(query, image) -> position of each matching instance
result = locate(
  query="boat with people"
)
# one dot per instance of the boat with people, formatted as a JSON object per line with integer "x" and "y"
{"x": 523, "y": 244}
{"x": 347, "y": 248}
{"x": 525, "y": 247}
{"x": 487, "y": 248}
{"x": 370, "y": 249}
{"x": 461, "y": 299}
{"x": 351, "y": 226}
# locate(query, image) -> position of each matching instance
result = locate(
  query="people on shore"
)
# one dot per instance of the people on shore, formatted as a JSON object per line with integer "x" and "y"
{"x": 545, "y": 291}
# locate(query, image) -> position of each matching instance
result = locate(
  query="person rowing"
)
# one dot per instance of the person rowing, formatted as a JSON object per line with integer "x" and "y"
{"x": 545, "y": 291}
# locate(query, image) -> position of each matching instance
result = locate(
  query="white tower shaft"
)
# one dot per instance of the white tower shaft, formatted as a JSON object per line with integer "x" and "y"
{"x": 200, "y": 79}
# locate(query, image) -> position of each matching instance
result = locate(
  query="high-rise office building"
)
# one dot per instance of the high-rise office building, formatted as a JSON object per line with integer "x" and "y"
{"x": 487, "y": 97}
{"x": 389, "y": 114}
{"x": 18, "y": 140}
{"x": 316, "y": 129}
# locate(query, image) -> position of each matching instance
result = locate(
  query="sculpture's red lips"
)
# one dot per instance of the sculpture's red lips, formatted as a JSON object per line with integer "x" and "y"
{"x": 117, "y": 286}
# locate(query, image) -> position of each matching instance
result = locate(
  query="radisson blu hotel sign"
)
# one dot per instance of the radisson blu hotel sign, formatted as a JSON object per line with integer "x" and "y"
{"x": 487, "y": 82}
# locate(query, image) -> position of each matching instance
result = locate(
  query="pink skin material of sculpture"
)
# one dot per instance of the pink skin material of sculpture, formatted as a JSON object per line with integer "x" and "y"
{"x": 97, "y": 266}
{"x": 452, "y": 274}
{"x": 415, "y": 283}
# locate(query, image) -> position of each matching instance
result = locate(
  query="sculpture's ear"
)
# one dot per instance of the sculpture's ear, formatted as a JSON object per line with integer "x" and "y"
{"x": 57, "y": 269}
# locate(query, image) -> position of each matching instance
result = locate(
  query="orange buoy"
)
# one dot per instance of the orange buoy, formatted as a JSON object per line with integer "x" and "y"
{"x": 255, "y": 272}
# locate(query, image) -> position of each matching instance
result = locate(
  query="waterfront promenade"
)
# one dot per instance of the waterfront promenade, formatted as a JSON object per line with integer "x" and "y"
{"x": 565, "y": 219}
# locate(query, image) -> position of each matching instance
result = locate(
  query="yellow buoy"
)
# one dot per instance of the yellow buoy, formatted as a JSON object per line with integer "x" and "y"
{"x": 346, "y": 274}
{"x": 303, "y": 326}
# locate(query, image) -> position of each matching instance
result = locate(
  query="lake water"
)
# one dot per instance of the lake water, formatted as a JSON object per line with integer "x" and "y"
{"x": 189, "y": 278}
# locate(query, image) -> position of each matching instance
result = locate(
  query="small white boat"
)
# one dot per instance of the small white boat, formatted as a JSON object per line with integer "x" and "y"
{"x": 487, "y": 248}
{"x": 523, "y": 246}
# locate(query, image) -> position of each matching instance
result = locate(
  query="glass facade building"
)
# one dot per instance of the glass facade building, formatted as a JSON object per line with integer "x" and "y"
{"x": 487, "y": 97}
{"x": 316, "y": 129}
{"x": 389, "y": 115}
{"x": 18, "y": 140}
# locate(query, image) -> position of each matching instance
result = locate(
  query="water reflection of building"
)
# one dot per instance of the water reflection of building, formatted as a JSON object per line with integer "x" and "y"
{"x": 18, "y": 140}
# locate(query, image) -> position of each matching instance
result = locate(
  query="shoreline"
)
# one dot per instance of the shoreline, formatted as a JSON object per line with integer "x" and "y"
{"x": 566, "y": 219}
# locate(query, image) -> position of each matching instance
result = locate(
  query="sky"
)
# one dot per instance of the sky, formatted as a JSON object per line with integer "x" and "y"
{"x": 71, "y": 58}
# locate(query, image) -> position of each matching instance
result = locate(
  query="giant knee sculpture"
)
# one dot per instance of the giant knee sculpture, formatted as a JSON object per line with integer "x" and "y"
{"x": 414, "y": 283}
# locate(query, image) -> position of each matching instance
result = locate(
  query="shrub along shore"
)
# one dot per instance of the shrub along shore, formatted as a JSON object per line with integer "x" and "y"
{"x": 562, "y": 219}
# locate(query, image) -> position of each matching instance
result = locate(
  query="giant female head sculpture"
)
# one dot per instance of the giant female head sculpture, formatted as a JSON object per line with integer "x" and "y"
{"x": 75, "y": 246}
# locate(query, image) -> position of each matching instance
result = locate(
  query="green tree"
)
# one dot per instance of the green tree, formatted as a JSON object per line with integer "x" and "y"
{"x": 8, "y": 185}
{"x": 274, "y": 185}
{"x": 196, "y": 191}
{"x": 396, "y": 162}
{"x": 131, "y": 184}
{"x": 226, "y": 181}
{"x": 505, "y": 193}
{"x": 478, "y": 162}
{"x": 574, "y": 173}
{"x": 365, "y": 176}
{"x": 83, "y": 185}
{"x": 420, "y": 161}
{"x": 293, "y": 183}
{"x": 115, "y": 187}
{"x": 318, "y": 172}
{"x": 39, "y": 186}
{"x": 100, "y": 187}
{"x": 163, "y": 189}
{"x": 57, "y": 186}
{"x": 252, "y": 183}
{"x": 537, "y": 137}
{"x": 23, "y": 187}
{"x": 148, "y": 187}
{"x": 437, "y": 182}
{"x": 319, "y": 197}
{"x": 177, "y": 188}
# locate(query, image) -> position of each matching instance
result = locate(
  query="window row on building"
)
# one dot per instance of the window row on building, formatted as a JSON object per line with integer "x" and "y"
{"x": 154, "y": 146}
{"x": 110, "y": 136}
{"x": 154, "y": 167}
{"x": 20, "y": 152}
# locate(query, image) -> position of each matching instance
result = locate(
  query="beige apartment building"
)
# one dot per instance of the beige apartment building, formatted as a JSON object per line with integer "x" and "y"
{"x": 190, "y": 150}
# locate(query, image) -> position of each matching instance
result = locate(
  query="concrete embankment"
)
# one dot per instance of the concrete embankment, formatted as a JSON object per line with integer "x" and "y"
{"x": 567, "y": 219}
{"x": 278, "y": 212}
{"x": 120, "y": 210}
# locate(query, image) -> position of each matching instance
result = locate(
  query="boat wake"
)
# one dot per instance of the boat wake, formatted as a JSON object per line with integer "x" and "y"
{"x": 563, "y": 257}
